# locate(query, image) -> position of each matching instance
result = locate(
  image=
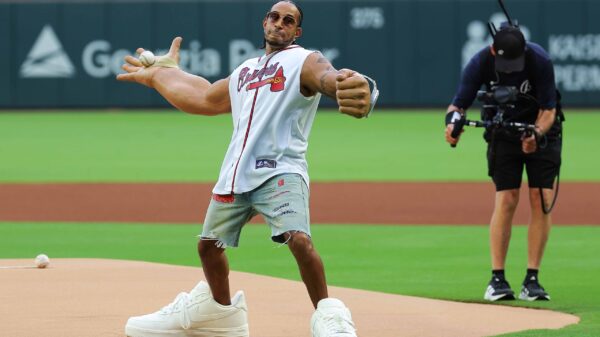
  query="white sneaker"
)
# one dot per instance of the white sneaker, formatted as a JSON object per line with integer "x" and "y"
{"x": 332, "y": 319}
{"x": 194, "y": 314}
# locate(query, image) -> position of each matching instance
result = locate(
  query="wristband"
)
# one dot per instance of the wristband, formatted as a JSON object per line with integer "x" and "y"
{"x": 452, "y": 117}
{"x": 374, "y": 95}
{"x": 165, "y": 62}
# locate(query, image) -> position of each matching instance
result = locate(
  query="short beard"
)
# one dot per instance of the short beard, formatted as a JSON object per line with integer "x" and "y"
{"x": 278, "y": 44}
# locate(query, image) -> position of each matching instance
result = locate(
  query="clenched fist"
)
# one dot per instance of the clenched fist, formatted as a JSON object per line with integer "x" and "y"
{"x": 352, "y": 93}
{"x": 528, "y": 144}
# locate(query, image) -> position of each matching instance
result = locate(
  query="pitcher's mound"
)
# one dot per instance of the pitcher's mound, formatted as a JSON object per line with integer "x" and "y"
{"x": 94, "y": 297}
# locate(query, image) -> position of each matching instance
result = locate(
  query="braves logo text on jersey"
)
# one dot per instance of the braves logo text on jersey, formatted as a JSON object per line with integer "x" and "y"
{"x": 277, "y": 81}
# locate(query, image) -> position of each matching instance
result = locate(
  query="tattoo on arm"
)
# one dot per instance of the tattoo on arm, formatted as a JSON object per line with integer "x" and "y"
{"x": 322, "y": 68}
{"x": 322, "y": 82}
{"x": 322, "y": 59}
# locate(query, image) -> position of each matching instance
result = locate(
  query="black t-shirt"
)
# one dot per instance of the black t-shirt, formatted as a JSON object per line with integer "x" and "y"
{"x": 535, "y": 81}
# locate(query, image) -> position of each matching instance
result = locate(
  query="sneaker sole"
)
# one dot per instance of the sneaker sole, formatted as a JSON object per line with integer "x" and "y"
{"x": 533, "y": 298}
{"x": 241, "y": 331}
{"x": 501, "y": 297}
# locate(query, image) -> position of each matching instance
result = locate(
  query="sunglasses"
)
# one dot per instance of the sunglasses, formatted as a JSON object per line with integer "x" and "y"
{"x": 287, "y": 20}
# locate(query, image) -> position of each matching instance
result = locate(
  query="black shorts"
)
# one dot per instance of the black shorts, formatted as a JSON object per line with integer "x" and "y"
{"x": 506, "y": 161}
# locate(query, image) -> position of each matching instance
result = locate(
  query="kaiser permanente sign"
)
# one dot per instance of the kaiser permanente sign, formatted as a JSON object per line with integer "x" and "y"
{"x": 66, "y": 54}
{"x": 577, "y": 61}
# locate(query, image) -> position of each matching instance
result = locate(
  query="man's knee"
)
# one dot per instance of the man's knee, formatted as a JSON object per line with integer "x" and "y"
{"x": 299, "y": 242}
{"x": 508, "y": 200}
{"x": 209, "y": 247}
{"x": 536, "y": 199}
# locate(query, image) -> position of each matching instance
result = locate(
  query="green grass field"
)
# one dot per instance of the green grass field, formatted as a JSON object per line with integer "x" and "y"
{"x": 37, "y": 147}
{"x": 431, "y": 261}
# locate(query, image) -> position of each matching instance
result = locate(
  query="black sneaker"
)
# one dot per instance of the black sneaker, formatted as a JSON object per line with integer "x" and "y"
{"x": 533, "y": 291}
{"x": 498, "y": 289}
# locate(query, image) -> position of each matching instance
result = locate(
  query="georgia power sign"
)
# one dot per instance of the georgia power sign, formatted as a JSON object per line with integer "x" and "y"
{"x": 48, "y": 58}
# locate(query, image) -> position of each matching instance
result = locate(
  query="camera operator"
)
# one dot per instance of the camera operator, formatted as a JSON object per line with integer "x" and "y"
{"x": 512, "y": 62}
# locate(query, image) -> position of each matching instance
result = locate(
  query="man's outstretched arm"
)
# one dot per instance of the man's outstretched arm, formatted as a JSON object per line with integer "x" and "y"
{"x": 349, "y": 88}
{"x": 190, "y": 93}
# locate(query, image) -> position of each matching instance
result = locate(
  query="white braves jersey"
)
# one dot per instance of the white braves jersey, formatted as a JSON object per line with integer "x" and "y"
{"x": 271, "y": 121}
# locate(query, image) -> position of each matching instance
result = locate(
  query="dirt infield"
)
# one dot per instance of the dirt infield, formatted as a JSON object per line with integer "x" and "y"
{"x": 365, "y": 203}
{"x": 93, "y": 297}
{"x": 77, "y": 297}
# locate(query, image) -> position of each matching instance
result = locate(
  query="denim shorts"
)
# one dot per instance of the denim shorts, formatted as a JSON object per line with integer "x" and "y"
{"x": 282, "y": 201}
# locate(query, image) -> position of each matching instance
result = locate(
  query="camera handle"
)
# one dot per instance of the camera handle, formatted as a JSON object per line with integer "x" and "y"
{"x": 461, "y": 123}
{"x": 458, "y": 127}
{"x": 486, "y": 124}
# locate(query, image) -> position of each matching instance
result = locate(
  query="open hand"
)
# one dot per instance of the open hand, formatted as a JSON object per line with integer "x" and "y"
{"x": 136, "y": 72}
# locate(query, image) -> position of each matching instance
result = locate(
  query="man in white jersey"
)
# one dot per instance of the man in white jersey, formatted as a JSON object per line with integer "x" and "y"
{"x": 273, "y": 100}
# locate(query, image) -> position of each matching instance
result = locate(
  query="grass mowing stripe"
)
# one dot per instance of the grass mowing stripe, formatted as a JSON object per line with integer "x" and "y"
{"x": 175, "y": 147}
{"x": 431, "y": 261}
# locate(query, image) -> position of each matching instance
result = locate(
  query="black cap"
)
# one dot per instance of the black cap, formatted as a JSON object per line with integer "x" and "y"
{"x": 509, "y": 46}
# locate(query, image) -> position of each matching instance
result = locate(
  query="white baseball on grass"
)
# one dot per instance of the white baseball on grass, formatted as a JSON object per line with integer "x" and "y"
{"x": 42, "y": 261}
{"x": 147, "y": 58}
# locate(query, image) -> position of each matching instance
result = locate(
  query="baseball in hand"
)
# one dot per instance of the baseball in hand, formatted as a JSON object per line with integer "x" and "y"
{"x": 42, "y": 261}
{"x": 147, "y": 58}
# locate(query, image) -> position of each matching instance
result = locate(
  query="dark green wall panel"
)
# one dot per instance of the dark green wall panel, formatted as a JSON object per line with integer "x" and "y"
{"x": 404, "y": 49}
{"x": 91, "y": 57}
{"x": 37, "y": 25}
{"x": 68, "y": 54}
{"x": 436, "y": 43}
{"x": 5, "y": 60}
{"x": 130, "y": 26}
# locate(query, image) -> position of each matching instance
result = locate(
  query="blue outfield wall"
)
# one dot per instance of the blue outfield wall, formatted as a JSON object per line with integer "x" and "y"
{"x": 67, "y": 54}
